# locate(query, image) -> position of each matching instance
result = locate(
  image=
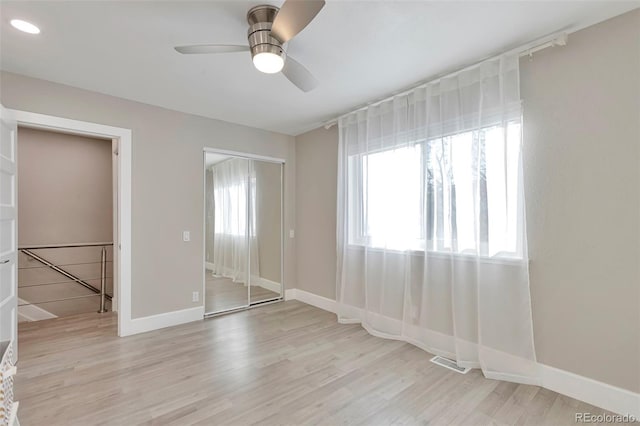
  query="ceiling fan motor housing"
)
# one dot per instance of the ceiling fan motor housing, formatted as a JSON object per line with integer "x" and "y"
{"x": 260, "y": 19}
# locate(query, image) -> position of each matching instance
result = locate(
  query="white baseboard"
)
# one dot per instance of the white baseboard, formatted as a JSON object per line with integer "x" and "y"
{"x": 591, "y": 391}
{"x": 255, "y": 280}
{"x": 269, "y": 285}
{"x": 612, "y": 398}
{"x": 290, "y": 294}
{"x": 311, "y": 299}
{"x": 169, "y": 319}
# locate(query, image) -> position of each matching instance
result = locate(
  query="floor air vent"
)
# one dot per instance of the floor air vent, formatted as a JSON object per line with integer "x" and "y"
{"x": 450, "y": 364}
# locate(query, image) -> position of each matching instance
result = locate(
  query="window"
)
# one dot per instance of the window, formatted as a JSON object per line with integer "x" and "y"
{"x": 454, "y": 194}
{"x": 230, "y": 206}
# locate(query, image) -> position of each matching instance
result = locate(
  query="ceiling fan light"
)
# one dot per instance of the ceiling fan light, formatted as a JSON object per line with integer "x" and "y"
{"x": 267, "y": 62}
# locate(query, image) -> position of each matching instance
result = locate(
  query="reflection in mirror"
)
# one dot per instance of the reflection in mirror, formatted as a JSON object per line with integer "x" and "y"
{"x": 227, "y": 253}
{"x": 243, "y": 232}
{"x": 266, "y": 278}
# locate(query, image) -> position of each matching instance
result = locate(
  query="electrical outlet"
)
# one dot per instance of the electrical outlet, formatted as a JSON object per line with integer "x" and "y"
{"x": 292, "y": 233}
{"x": 186, "y": 236}
{"x": 195, "y": 297}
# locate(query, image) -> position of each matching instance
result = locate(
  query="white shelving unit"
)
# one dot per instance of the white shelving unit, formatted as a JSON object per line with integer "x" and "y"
{"x": 8, "y": 407}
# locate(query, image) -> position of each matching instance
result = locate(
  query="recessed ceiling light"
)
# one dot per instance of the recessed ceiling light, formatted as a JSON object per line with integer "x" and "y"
{"x": 25, "y": 26}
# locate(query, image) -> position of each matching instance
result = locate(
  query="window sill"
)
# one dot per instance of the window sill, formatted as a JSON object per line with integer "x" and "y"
{"x": 512, "y": 261}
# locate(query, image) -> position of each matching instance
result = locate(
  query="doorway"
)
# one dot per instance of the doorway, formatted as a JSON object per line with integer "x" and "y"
{"x": 9, "y": 236}
{"x": 66, "y": 224}
{"x": 243, "y": 243}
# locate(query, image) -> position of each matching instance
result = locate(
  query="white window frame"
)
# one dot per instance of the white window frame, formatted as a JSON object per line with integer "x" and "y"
{"x": 358, "y": 238}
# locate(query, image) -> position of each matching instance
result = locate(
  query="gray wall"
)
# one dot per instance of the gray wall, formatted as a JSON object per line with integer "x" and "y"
{"x": 582, "y": 135}
{"x": 65, "y": 188}
{"x": 316, "y": 177}
{"x": 582, "y": 138}
{"x": 167, "y": 175}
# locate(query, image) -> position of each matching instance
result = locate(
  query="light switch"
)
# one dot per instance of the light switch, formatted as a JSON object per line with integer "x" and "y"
{"x": 292, "y": 233}
{"x": 186, "y": 236}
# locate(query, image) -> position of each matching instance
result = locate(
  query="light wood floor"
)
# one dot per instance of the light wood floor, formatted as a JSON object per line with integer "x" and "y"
{"x": 65, "y": 308}
{"x": 285, "y": 363}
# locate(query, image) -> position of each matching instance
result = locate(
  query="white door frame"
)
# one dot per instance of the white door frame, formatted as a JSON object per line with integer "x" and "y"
{"x": 9, "y": 246}
{"x": 122, "y": 281}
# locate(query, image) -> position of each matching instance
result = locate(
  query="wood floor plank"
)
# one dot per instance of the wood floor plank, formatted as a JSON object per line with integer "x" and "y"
{"x": 282, "y": 364}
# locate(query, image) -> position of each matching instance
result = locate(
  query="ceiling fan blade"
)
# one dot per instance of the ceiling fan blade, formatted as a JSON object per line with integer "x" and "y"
{"x": 211, "y": 48}
{"x": 293, "y": 17}
{"x": 299, "y": 75}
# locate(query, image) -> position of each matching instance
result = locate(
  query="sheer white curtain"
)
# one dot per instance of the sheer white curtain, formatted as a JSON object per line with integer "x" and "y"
{"x": 431, "y": 224}
{"x": 235, "y": 246}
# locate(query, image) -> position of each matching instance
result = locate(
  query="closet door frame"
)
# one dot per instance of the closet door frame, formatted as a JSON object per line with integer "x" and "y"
{"x": 248, "y": 156}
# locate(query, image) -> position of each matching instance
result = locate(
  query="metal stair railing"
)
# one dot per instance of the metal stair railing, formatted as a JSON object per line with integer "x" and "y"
{"x": 28, "y": 251}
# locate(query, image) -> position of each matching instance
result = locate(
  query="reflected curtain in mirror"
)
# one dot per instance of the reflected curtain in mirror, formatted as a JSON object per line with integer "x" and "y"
{"x": 234, "y": 227}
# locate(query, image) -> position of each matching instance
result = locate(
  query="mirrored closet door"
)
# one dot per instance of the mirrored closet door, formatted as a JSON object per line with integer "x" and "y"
{"x": 243, "y": 232}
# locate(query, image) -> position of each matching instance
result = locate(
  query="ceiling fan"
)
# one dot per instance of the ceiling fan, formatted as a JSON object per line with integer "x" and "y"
{"x": 269, "y": 29}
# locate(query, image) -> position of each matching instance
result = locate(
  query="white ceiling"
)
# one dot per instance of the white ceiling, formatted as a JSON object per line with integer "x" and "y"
{"x": 359, "y": 50}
